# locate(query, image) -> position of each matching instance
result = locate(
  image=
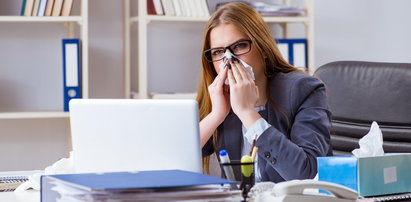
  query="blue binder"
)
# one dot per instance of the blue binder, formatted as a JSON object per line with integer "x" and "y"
{"x": 71, "y": 70}
{"x": 121, "y": 181}
{"x": 294, "y": 51}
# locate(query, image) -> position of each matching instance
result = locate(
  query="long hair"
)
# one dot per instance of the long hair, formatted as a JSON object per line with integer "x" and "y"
{"x": 250, "y": 22}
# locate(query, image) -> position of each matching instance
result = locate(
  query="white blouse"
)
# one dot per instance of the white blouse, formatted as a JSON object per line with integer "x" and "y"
{"x": 258, "y": 128}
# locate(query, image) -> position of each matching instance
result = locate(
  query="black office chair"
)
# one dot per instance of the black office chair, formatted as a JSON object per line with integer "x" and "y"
{"x": 362, "y": 92}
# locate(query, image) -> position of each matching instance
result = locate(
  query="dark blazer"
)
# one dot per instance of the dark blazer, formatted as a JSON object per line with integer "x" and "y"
{"x": 299, "y": 132}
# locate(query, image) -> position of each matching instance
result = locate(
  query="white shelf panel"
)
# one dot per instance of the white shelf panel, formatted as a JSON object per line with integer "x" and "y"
{"x": 173, "y": 95}
{"x": 40, "y": 19}
{"x": 287, "y": 19}
{"x": 133, "y": 19}
{"x": 159, "y": 18}
{"x": 177, "y": 18}
{"x": 33, "y": 115}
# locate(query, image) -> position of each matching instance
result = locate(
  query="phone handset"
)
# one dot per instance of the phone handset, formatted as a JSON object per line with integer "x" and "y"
{"x": 297, "y": 187}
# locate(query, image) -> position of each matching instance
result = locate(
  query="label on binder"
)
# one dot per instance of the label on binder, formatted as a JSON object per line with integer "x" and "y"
{"x": 294, "y": 51}
{"x": 71, "y": 70}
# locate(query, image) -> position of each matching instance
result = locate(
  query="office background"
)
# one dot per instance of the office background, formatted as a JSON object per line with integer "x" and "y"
{"x": 370, "y": 30}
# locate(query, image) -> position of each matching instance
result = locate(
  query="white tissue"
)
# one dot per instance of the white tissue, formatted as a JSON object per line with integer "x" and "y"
{"x": 371, "y": 143}
{"x": 62, "y": 166}
{"x": 228, "y": 56}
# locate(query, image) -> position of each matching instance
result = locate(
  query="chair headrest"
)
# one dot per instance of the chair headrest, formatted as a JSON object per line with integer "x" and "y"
{"x": 368, "y": 91}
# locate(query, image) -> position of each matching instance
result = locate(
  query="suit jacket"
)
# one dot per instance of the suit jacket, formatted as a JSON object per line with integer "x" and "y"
{"x": 299, "y": 132}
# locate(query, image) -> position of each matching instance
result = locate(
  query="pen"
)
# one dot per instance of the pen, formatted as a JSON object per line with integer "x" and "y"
{"x": 228, "y": 170}
{"x": 253, "y": 144}
{"x": 254, "y": 153}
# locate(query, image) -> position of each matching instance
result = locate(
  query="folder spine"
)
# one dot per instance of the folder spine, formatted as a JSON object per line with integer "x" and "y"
{"x": 295, "y": 51}
{"x": 71, "y": 71}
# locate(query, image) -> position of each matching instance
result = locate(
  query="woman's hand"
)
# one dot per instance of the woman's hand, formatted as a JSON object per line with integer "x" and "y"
{"x": 243, "y": 93}
{"x": 220, "y": 99}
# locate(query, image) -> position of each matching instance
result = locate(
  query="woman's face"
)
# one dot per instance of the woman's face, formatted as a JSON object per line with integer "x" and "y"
{"x": 226, "y": 34}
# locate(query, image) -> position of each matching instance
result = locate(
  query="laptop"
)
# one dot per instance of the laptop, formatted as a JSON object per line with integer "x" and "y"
{"x": 113, "y": 135}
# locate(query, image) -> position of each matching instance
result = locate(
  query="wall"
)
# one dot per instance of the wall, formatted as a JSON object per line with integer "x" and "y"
{"x": 370, "y": 30}
{"x": 374, "y": 30}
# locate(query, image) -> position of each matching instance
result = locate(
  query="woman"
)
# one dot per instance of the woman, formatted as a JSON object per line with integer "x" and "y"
{"x": 284, "y": 108}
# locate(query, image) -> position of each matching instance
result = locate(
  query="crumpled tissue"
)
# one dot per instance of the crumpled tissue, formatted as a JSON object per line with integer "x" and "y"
{"x": 227, "y": 57}
{"x": 62, "y": 166}
{"x": 371, "y": 143}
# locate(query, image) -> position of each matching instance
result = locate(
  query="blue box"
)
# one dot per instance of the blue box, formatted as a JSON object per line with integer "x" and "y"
{"x": 369, "y": 176}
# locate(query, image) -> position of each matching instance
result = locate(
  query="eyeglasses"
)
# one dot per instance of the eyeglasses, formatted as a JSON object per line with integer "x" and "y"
{"x": 237, "y": 48}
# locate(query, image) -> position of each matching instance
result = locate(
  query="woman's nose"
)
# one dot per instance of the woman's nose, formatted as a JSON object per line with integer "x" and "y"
{"x": 227, "y": 55}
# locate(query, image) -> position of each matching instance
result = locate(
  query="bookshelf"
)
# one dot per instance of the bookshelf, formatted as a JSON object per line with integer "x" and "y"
{"x": 81, "y": 20}
{"x": 142, "y": 19}
{"x": 71, "y": 19}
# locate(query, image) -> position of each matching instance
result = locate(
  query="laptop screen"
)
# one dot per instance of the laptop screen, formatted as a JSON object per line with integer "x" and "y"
{"x": 111, "y": 135}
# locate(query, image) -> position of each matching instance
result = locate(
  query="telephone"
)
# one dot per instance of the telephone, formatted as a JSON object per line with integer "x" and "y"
{"x": 298, "y": 190}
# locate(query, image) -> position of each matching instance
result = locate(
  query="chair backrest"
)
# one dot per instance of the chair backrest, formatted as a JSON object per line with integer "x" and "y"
{"x": 362, "y": 92}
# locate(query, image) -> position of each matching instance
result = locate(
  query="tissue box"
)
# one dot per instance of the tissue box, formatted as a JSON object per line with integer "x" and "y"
{"x": 369, "y": 176}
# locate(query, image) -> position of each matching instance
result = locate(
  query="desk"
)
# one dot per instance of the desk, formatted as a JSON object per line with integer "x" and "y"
{"x": 22, "y": 196}
{"x": 25, "y": 196}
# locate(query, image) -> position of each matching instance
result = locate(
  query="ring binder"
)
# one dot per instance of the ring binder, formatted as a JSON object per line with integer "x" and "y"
{"x": 294, "y": 51}
{"x": 149, "y": 185}
{"x": 71, "y": 70}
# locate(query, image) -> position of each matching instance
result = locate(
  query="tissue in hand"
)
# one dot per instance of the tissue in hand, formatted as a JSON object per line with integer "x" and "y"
{"x": 228, "y": 56}
{"x": 371, "y": 143}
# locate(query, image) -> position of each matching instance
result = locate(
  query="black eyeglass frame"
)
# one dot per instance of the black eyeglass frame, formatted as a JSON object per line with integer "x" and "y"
{"x": 208, "y": 51}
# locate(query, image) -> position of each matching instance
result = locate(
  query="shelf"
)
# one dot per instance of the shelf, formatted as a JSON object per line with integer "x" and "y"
{"x": 161, "y": 18}
{"x": 81, "y": 19}
{"x": 40, "y": 19}
{"x": 287, "y": 19}
{"x": 33, "y": 115}
{"x": 173, "y": 95}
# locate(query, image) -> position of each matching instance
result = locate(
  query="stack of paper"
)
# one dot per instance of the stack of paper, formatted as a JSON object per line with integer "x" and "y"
{"x": 267, "y": 9}
{"x": 168, "y": 185}
{"x": 276, "y": 9}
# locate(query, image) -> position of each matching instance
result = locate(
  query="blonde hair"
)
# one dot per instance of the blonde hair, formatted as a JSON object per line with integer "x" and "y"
{"x": 250, "y": 22}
